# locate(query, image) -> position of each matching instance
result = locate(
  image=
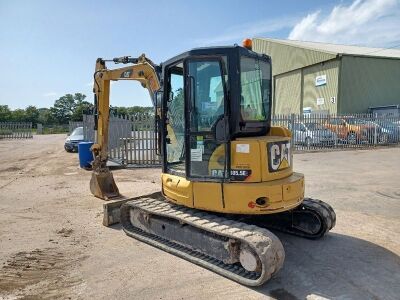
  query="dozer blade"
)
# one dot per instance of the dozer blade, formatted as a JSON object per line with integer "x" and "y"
{"x": 102, "y": 185}
{"x": 112, "y": 208}
{"x": 312, "y": 219}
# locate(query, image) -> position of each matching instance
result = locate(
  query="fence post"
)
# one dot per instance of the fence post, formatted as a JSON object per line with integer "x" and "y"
{"x": 39, "y": 128}
{"x": 375, "y": 131}
{"x": 292, "y": 120}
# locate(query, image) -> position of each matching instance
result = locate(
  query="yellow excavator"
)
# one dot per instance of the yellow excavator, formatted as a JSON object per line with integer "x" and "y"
{"x": 227, "y": 175}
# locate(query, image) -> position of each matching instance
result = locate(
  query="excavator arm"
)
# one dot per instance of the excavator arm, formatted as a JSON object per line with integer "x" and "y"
{"x": 142, "y": 69}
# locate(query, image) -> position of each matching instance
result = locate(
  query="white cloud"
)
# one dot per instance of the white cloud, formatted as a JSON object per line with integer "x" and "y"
{"x": 50, "y": 94}
{"x": 248, "y": 30}
{"x": 364, "y": 22}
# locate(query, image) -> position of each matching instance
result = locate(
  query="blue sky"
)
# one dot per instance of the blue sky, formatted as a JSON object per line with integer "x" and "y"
{"x": 49, "y": 48}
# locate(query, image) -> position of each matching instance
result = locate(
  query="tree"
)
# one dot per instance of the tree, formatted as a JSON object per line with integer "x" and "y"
{"x": 67, "y": 108}
{"x": 64, "y": 108}
{"x": 118, "y": 111}
{"x": 5, "y": 113}
{"x": 140, "y": 109}
{"x": 79, "y": 97}
{"x": 46, "y": 117}
{"x": 32, "y": 114}
{"x": 18, "y": 115}
{"x": 129, "y": 111}
{"x": 81, "y": 108}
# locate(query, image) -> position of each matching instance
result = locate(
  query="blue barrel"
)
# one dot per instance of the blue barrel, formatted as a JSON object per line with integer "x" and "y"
{"x": 85, "y": 155}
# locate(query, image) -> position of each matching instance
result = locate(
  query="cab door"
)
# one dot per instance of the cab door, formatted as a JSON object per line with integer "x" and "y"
{"x": 174, "y": 183}
{"x": 207, "y": 126}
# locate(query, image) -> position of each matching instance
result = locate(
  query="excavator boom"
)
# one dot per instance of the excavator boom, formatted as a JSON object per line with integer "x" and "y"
{"x": 102, "y": 184}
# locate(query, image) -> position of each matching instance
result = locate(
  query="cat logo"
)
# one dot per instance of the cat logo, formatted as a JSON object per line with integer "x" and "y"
{"x": 126, "y": 74}
{"x": 280, "y": 156}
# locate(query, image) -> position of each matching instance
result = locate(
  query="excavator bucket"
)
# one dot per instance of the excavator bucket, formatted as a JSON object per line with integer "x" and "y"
{"x": 102, "y": 185}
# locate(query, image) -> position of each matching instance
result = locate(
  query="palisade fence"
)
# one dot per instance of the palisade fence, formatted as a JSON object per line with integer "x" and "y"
{"x": 15, "y": 130}
{"x": 74, "y": 124}
{"x": 323, "y": 132}
{"x": 132, "y": 140}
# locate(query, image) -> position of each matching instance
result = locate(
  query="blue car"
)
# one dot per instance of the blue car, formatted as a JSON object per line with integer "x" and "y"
{"x": 72, "y": 141}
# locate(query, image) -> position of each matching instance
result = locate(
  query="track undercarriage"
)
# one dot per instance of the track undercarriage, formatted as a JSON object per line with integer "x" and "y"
{"x": 311, "y": 219}
{"x": 238, "y": 247}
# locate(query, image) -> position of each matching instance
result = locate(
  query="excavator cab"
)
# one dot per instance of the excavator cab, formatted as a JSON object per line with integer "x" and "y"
{"x": 211, "y": 96}
{"x": 216, "y": 134}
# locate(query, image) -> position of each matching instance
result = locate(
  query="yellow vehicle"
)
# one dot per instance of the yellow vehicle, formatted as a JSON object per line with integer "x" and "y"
{"x": 227, "y": 174}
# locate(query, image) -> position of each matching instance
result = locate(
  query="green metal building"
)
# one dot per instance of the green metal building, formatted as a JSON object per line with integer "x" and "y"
{"x": 328, "y": 78}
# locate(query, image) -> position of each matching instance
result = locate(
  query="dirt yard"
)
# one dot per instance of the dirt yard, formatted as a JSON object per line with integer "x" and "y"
{"x": 53, "y": 245}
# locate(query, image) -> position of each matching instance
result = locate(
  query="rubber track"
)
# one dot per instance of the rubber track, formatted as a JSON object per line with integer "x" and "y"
{"x": 264, "y": 243}
{"x": 325, "y": 212}
{"x": 324, "y": 209}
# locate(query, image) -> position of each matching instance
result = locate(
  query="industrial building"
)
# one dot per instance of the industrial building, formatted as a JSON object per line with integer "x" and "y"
{"x": 310, "y": 77}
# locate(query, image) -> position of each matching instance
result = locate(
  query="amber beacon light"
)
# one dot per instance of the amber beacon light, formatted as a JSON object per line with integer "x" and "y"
{"x": 247, "y": 43}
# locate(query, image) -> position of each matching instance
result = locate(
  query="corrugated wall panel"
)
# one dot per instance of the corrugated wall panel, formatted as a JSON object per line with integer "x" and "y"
{"x": 288, "y": 93}
{"x": 367, "y": 82}
{"x": 286, "y": 58}
{"x": 311, "y": 92}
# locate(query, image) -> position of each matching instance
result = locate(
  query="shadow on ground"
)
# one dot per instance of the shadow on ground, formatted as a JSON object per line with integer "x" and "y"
{"x": 336, "y": 266}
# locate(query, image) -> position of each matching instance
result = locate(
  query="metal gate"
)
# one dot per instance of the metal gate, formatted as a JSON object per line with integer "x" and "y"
{"x": 74, "y": 124}
{"x": 15, "y": 130}
{"x": 132, "y": 140}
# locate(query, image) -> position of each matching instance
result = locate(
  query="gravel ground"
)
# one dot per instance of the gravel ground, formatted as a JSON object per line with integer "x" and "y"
{"x": 52, "y": 243}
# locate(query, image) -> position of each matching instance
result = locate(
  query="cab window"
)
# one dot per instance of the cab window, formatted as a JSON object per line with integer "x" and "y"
{"x": 255, "y": 76}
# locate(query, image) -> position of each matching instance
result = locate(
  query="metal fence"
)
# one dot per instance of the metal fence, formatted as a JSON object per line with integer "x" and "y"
{"x": 140, "y": 147}
{"x": 52, "y": 128}
{"x": 15, "y": 130}
{"x": 132, "y": 141}
{"x": 74, "y": 124}
{"x": 322, "y": 132}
